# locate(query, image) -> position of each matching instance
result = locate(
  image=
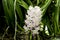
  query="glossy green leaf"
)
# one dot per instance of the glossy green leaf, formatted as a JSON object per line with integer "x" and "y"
{"x": 23, "y": 4}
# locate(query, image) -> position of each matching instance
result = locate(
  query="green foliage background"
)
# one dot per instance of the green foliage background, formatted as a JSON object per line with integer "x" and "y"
{"x": 15, "y": 11}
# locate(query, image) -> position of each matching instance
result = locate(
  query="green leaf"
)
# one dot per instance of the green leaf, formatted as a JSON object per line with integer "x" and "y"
{"x": 23, "y": 4}
{"x": 45, "y": 6}
{"x": 29, "y": 2}
{"x": 20, "y": 27}
{"x": 56, "y": 17}
{"x": 38, "y": 1}
{"x": 19, "y": 12}
{"x": 9, "y": 12}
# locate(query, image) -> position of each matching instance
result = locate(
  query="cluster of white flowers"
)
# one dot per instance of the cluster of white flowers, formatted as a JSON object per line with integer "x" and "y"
{"x": 33, "y": 19}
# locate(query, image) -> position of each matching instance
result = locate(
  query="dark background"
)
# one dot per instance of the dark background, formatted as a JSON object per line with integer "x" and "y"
{"x": 2, "y": 19}
{"x": 3, "y": 24}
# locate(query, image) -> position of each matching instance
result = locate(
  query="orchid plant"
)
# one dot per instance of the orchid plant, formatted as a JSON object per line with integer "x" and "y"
{"x": 34, "y": 17}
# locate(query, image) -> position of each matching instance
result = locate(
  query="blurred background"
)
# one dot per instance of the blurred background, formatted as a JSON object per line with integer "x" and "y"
{"x": 12, "y": 19}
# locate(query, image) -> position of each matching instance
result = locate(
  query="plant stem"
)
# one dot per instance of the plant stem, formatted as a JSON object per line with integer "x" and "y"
{"x": 15, "y": 20}
{"x": 31, "y": 36}
{"x": 5, "y": 32}
{"x": 38, "y": 37}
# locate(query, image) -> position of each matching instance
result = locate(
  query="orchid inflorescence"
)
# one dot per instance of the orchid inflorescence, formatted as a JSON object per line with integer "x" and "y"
{"x": 33, "y": 19}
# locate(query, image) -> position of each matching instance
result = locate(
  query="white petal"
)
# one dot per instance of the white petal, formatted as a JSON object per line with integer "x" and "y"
{"x": 37, "y": 28}
{"x": 47, "y": 32}
{"x": 41, "y": 29}
{"x": 46, "y": 28}
{"x": 35, "y": 32}
{"x": 26, "y": 28}
{"x": 41, "y": 26}
{"x": 30, "y": 7}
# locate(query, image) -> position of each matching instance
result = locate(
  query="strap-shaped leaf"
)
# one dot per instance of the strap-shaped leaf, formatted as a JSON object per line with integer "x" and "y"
{"x": 9, "y": 14}
{"x": 45, "y": 6}
{"x": 56, "y": 17}
{"x": 29, "y": 2}
{"x": 19, "y": 12}
{"x": 20, "y": 27}
{"x": 38, "y": 1}
{"x": 23, "y": 4}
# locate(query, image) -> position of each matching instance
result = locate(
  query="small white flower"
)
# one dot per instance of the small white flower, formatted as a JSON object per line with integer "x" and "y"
{"x": 30, "y": 7}
{"x": 26, "y": 28}
{"x": 37, "y": 28}
{"x": 35, "y": 32}
{"x": 41, "y": 26}
{"x": 41, "y": 29}
{"x": 53, "y": 1}
{"x": 46, "y": 30}
{"x": 27, "y": 16}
